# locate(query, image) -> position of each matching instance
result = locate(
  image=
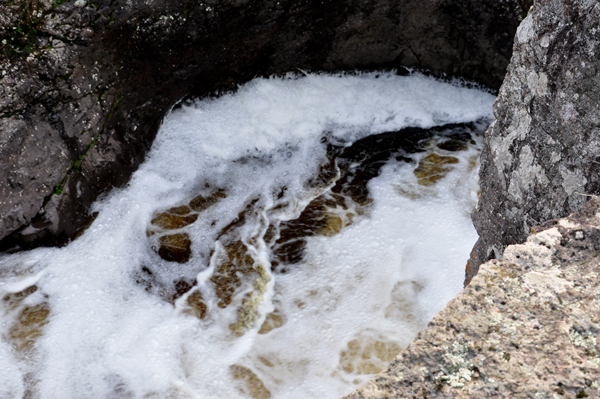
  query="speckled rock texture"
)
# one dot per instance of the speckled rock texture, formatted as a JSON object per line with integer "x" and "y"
{"x": 526, "y": 327}
{"x": 85, "y": 84}
{"x": 542, "y": 153}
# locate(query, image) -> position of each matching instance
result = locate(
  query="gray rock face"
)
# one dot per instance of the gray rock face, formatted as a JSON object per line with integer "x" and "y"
{"x": 526, "y": 327}
{"x": 84, "y": 85}
{"x": 542, "y": 153}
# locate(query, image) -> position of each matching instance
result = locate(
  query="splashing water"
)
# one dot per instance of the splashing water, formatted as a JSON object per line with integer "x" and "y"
{"x": 285, "y": 241}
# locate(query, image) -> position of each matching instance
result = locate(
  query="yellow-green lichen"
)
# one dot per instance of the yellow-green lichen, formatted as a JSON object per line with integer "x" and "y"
{"x": 457, "y": 368}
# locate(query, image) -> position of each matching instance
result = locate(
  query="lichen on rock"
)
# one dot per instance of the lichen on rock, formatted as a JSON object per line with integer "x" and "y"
{"x": 526, "y": 325}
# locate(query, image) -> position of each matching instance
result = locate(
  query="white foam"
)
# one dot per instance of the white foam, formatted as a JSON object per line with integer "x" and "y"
{"x": 11, "y": 385}
{"x": 419, "y": 246}
{"x": 108, "y": 337}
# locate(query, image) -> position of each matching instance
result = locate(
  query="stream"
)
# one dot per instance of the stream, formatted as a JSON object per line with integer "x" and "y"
{"x": 284, "y": 241}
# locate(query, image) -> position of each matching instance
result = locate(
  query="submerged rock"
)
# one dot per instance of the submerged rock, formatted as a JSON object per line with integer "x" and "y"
{"x": 526, "y": 326}
{"x": 28, "y": 328}
{"x": 85, "y": 85}
{"x": 249, "y": 383}
{"x": 175, "y": 247}
{"x": 432, "y": 168}
{"x": 540, "y": 159}
{"x": 197, "y": 306}
{"x": 367, "y": 355}
{"x": 337, "y": 196}
{"x": 30, "y": 311}
{"x": 357, "y": 164}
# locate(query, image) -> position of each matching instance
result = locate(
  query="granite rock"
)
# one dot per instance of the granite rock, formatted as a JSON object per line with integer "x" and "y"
{"x": 541, "y": 156}
{"x": 527, "y": 326}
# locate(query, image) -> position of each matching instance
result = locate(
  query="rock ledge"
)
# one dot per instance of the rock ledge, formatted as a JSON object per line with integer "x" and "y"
{"x": 526, "y": 326}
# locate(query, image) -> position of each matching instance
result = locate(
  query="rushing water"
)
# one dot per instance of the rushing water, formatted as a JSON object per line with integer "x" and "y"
{"x": 285, "y": 241}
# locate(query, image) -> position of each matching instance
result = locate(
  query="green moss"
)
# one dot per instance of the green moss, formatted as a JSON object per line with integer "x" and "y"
{"x": 56, "y": 3}
{"x": 22, "y": 41}
{"x": 77, "y": 163}
{"x": 58, "y": 189}
{"x": 114, "y": 107}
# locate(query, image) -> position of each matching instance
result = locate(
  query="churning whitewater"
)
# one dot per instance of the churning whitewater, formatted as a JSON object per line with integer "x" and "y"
{"x": 284, "y": 241}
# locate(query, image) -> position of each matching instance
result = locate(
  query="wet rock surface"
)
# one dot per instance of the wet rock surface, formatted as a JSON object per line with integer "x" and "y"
{"x": 540, "y": 158}
{"x": 526, "y": 325}
{"x": 84, "y": 85}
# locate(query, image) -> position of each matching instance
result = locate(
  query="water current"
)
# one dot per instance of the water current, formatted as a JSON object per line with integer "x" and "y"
{"x": 285, "y": 241}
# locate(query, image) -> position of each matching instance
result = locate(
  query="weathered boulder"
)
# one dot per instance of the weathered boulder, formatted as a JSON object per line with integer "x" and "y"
{"x": 85, "y": 85}
{"x": 541, "y": 155}
{"x": 527, "y": 326}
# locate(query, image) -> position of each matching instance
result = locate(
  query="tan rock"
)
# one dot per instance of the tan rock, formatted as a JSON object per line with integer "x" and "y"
{"x": 526, "y": 326}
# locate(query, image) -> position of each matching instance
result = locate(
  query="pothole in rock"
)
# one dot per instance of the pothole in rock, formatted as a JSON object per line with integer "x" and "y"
{"x": 283, "y": 242}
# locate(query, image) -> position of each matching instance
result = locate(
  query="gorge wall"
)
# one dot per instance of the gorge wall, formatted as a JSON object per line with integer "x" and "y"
{"x": 85, "y": 85}
{"x": 541, "y": 157}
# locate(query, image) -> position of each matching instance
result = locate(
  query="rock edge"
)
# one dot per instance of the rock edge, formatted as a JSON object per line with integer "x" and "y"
{"x": 526, "y": 326}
